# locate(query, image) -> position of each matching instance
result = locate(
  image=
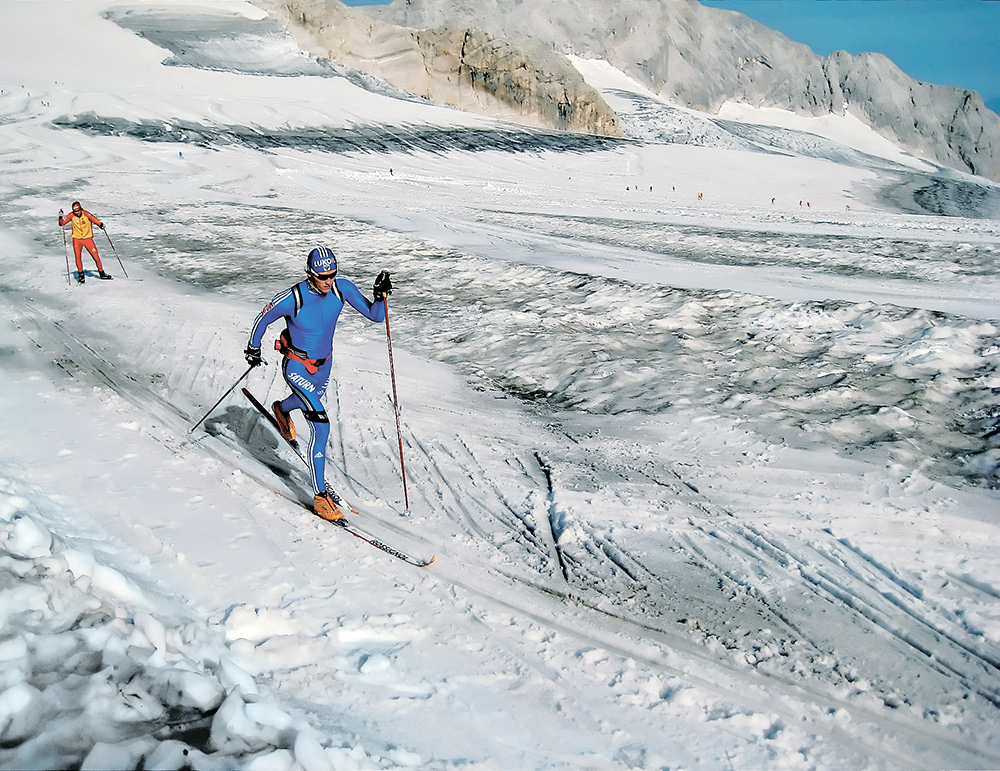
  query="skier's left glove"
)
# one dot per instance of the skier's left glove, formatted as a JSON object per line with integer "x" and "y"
{"x": 382, "y": 286}
{"x": 253, "y": 356}
{"x": 100, "y": 225}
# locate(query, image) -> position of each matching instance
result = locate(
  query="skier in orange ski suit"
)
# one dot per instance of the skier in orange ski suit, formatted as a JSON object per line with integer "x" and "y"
{"x": 83, "y": 238}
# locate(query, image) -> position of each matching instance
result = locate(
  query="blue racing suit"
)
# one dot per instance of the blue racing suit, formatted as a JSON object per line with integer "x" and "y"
{"x": 311, "y": 320}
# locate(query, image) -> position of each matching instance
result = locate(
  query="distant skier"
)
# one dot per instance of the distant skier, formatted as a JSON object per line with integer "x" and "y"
{"x": 311, "y": 309}
{"x": 83, "y": 238}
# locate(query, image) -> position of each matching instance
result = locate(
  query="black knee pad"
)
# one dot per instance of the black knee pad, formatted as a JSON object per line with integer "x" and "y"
{"x": 315, "y": 417}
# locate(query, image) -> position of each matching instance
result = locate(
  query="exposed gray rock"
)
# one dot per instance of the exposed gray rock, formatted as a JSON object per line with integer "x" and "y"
{"x": 459, "y": 65}
{"x": 701, "y": 57}
{"x": 949, "y": 125}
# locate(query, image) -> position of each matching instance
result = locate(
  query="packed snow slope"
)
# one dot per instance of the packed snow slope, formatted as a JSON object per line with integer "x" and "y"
{"x": 705, "y": 437}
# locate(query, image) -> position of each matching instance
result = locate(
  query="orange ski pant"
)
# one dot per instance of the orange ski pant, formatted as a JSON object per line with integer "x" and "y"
{"x": 78, "y": 246}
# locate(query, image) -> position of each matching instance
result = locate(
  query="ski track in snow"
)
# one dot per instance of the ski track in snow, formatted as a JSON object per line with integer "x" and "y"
{"x": 706, "y": 519}
{"x": 594, "y": 568}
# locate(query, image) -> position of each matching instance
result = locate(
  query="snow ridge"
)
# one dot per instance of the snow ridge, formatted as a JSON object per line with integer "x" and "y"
{"x": 702, "y": 57}
{"x": 130, "y": 675}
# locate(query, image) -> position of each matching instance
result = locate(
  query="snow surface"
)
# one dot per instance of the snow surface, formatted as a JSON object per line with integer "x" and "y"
{"x": 711, "y": 481}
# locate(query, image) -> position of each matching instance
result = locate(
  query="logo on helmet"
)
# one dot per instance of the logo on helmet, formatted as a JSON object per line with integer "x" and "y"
{"x": 321, "y": 260}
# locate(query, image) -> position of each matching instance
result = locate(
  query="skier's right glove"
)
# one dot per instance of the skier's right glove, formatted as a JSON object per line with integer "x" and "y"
{"x": 253, "y": 356}
{"x": 382, "y": 286}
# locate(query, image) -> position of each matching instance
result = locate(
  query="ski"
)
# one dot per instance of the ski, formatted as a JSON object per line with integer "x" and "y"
{"x": 274, "y": 423}
{"x": 343, "y": 524}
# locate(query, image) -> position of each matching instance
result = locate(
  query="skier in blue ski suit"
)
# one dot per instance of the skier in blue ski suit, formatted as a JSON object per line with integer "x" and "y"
{"x": 311, "y": 309}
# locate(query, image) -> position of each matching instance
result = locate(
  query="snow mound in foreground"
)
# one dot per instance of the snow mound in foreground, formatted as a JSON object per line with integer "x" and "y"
{"x": 101, "y": 668}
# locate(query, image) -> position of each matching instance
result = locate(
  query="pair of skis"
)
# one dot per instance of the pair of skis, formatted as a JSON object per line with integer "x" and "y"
{"x": 343, "y": 524}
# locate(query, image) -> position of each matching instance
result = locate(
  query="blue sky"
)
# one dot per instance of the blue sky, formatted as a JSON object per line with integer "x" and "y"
{"x": 948, "y": 42}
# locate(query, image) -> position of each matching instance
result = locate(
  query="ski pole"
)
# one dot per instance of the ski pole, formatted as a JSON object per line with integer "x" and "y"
{"x": 69, "y": 281}
{"x": 395, "y": 403}
{"x": 116, "y": 253}
{"x": 223, "y": 397}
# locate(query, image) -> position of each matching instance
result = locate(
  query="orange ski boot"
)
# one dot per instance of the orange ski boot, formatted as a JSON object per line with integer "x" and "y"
{"x": 285, "y": 425}
{"x": 327, "y": 506}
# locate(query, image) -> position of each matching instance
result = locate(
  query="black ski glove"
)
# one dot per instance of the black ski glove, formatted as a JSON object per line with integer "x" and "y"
{"x": 382, "y": 286}
{"x": 253, "y": 356}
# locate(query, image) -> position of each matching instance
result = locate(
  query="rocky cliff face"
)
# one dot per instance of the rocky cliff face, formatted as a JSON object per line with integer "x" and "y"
{"x": 951, "y": 126}
{"x": 456, "y": 64}
{"x": 701, "y": 57}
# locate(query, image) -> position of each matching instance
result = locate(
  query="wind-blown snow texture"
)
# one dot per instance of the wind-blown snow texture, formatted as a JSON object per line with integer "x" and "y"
{"x": 705, "y": 436}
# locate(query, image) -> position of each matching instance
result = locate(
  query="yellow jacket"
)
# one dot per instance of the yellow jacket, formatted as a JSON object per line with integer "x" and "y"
{"x": 82, "y": 227}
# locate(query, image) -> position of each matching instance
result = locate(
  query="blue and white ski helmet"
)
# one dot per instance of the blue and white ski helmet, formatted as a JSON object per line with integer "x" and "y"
{"x": 321, "y": 260}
